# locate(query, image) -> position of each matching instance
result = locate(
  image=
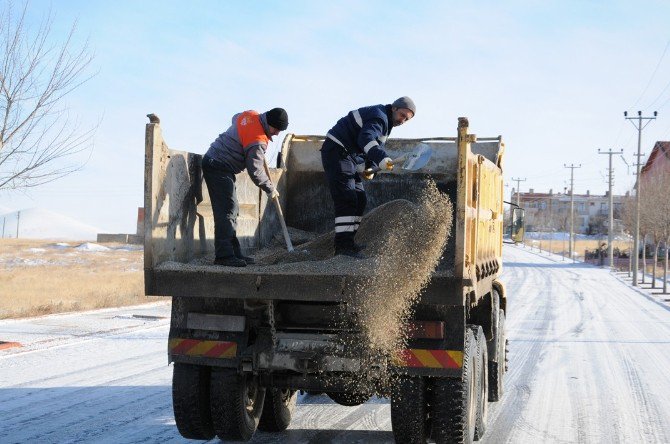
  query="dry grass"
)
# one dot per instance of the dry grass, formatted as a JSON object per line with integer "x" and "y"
{"x": 40, "y": 277}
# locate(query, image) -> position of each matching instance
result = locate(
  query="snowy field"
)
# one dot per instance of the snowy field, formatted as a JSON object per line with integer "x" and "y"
{"x": 590, "y": 360}
{"x": 72, "y": 276}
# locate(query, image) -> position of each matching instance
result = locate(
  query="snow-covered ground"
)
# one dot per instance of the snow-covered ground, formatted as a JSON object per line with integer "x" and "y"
{"x": 589, "y": 362}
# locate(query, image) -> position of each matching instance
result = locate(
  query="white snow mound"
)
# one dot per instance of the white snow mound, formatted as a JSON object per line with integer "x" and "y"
{"x": 90, "y": 246}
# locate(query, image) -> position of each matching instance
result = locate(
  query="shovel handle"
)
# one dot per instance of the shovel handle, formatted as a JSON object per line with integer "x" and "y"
{"x": 287, "y": 238}
{"x": 375, "y": 170}
{"x": 280, "y": 213}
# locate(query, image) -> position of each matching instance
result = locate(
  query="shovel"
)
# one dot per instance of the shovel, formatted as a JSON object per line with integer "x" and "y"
{"x": 416, "y": 159}
{"x": 280, "y": 213}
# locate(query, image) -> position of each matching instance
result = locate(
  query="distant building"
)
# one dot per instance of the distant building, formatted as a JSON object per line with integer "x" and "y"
{"x": 137, "y": 238}
{"x": 551, "y": 211}
{"x": 658, "y": 161}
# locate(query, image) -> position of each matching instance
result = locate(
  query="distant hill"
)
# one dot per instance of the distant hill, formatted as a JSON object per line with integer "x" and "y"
{"x": 38, "y": 223}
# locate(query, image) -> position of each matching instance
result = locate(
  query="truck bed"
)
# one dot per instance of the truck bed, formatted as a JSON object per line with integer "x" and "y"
{"x": 179, "y": 228}
{"x": 333, "y": 279}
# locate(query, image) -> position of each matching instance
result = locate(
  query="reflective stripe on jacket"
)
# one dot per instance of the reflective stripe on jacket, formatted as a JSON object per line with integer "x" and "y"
{"x": 363, "y": 131}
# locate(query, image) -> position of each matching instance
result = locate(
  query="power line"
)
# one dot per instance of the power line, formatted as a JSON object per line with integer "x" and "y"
{"x": 653, "y": 74}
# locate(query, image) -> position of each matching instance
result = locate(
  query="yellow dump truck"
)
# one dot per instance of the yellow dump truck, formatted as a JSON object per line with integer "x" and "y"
{"x": 244, "y": 340}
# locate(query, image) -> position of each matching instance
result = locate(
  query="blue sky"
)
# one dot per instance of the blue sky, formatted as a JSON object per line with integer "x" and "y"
{"x": 552, "y": 77}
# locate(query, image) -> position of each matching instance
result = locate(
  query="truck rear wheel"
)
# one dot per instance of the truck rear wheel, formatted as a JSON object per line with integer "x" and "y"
{"x": 277, "y": 409}
{"x": 190, "y": 401}
{"x": 454, "y": 400}
{"x": 497, "y": 363}
{"x": 236, "y": 404}
{"x": 348, "y": 399}
{"x": 483, "y": 383}
{"x": 409, "y": 417}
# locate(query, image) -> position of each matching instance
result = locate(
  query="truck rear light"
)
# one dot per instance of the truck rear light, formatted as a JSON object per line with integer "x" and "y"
{"x": 426, "y": 330}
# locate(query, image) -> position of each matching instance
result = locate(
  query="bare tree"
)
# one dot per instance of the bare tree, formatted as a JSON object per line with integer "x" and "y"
{"x": 38, "y": 138}
{"x": 649, "y": 223}
{"x": 658, "y": 212}
{"x": 628, "y": 220}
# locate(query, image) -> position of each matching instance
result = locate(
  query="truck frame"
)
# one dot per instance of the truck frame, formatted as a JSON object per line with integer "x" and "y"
{"x": 244, "y": 341}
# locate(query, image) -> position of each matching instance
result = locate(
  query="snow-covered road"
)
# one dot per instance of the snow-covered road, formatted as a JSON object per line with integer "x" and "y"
{"x": 590, "y": 362}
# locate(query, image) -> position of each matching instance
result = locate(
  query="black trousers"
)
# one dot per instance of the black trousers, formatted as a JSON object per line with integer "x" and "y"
{"x": 346, "y": 189}
{"x": 221, "y": 186}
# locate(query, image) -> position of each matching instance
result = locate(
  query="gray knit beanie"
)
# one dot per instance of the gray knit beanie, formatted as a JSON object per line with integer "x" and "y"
{"x": 405, "y": 102}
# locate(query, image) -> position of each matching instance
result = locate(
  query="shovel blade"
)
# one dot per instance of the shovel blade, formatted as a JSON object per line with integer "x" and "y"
{"x": 418, "y": 158}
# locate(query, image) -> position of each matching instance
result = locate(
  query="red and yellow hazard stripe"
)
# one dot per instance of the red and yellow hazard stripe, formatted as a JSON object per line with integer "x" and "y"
{"x": 197, "y": 347}
{"x": 421, "y": 358}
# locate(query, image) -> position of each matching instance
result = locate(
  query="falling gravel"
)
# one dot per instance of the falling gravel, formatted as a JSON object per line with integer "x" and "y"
{"x": 408, "y": 250}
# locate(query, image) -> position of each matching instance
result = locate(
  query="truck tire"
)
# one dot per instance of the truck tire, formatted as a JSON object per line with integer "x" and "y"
{"x": 277, "y": 409}
{"x": 348, "y": 399}
{"x": 409, "y": 407}
{"x": 483, "y": 382}
{"x": 190, "y": 401}
{"x": 497, "y": 363}
{"x": 454, "y": 400}
{"x": 236, "y": 404}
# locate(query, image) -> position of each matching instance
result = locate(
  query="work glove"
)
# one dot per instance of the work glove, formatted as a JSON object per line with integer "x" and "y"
{"x": 274, "y": 193}
{"x": 386, "y": 164}
{"x": 368, "y": 174}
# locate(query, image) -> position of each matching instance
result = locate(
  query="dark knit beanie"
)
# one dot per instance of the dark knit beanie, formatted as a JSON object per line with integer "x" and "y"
{"x": 278, "y": 118}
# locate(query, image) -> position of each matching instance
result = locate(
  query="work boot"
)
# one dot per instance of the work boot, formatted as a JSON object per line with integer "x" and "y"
{"x": 248, "y": 259}
{"x": 349, "y": 251}
{"x": 230, "y": 261}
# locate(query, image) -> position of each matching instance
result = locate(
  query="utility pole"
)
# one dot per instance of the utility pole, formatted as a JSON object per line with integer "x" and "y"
{"x": 610, "y": 224}
{"x": 518, "y": 190}
{"x": 636, "y": 235}
{"x": 551, "y": 223}
{"x": 4, "y": 219}
{"x": 572, "y": 207}
{"x": 18, "y": 219}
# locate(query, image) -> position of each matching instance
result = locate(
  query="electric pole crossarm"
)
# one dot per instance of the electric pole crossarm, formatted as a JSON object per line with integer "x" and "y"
{"x": 518, "y": 190}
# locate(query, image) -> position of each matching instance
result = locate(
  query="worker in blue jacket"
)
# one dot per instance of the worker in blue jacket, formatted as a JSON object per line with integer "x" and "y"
{"x": 355, "y": 142}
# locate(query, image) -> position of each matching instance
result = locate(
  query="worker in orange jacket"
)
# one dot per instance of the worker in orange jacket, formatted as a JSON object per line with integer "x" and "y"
{"x": 241, "y": 146}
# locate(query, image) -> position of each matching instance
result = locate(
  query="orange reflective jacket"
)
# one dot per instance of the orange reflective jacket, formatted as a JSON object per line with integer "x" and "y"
{"x": 250, "y": 129}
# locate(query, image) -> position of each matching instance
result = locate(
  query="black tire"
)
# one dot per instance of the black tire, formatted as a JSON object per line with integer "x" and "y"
{"x": 454, "y": 400}
{"x": 190, "y": 401}
{"x": 236, "y": 404}
{"x": 497, "y": 363}
{"x": 348, "y": 399}
{"x": 278, "y": 409}
{"x": 409, "y": 417}
{"x": 483, "y": 382}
